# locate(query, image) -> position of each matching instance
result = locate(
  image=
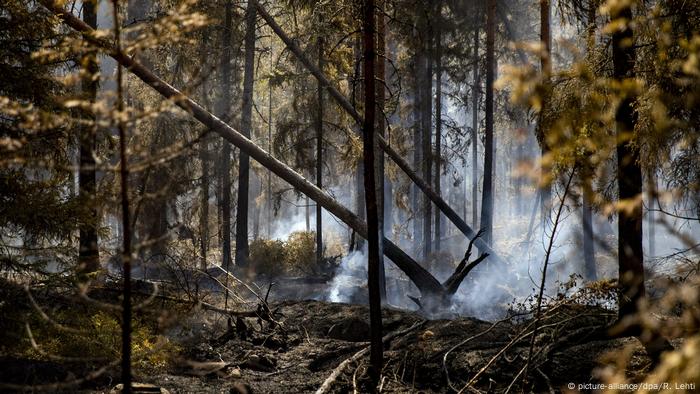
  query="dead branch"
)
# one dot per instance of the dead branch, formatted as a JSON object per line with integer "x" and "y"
{"x": 326, "y": 386}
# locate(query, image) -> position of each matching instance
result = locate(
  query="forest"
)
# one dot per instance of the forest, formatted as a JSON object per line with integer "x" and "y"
{"x": 350, "y": 196}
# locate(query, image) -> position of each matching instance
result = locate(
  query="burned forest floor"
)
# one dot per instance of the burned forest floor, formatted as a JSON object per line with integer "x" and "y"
{"x": 296, "y": 346}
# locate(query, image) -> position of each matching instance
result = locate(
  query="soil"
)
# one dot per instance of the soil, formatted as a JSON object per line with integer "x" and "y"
{"x": 308, "y": 339}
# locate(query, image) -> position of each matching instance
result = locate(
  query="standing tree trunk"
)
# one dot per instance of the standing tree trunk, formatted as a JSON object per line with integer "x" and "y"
{"x": 417, "y": 148}
{"x": 319, "y": 156}
{"x": 269, "y": 149}
{"x": 475, "y": 127}
{"x": 586, "y": 176}
{"x": 126, "y": 217}
{"x": 629, "y": 173}
{"x": 246, "y": 126}
{"x": 427, "y": 140}
{"x": 545, "y": 181}
{"x": 438, "y": 131}
{"x": 379, "y": 153}
{"x": 224, "y": 110}
{"x": 487, "y": 192}
{"x": 373, "y": 268}
{"x": 88, "y": 252}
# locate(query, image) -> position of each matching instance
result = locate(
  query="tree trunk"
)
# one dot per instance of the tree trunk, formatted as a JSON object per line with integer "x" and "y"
{"x": 246, "y": 126}
{"x": 417, "y": 151}
{"x": 427, "y": 142}
{"x": 475, "y": 129}
{"x": 545, "y": 184}
{"x": 269, "y": 149}
{"x": 88, "y": 252}
{"x": 373, "y": 267}
{"x": 438, "y": 132}
{"x": 319, "y": 155}
{"x": 487, "y": 192}
{"x": 587, "y": 176}
{"x": 629, "y": 174}
{"x": 224, "y": 110}
{"x": 378, "y": 152}
{"x": 126, "y": 218}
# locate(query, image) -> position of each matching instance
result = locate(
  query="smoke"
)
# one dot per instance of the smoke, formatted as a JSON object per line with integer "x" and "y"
{"x": 350, "y": 278}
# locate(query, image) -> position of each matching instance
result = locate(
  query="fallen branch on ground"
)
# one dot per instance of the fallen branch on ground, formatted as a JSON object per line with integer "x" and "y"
{"x": 326, "y": 386}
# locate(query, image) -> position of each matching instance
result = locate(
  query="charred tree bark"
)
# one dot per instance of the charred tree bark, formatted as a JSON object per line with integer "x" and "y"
{"x": 378, "y": 152}
{"x": 224, "y": 110}
{"x": 475, "y": 127}
{"x": 319, "y": 155}
{"x": 587, "y": 176}
{"x": 417, "y": 150}
{"x": 88, "y": 252}
{"x": 487, "y": 192}
{"x": 373, "y": 267}
{"x": 438, "y": 131}
{"x": 246, "y": 125}
{"x": 545, "y": 181}
{"x": 629, "y": 173}
{"x": 427, "y": 140}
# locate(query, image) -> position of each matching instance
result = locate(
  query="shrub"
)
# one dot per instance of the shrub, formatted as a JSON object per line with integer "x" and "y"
{"x": 267, "y": 256}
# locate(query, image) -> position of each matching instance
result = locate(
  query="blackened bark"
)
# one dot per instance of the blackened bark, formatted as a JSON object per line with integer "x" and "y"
{"x": 88, "y": 252}
{"x": 475, "y": 127}
{"x": 487, "y": 192}
{"x": 379, "y": 153}
{"x": 629, "y": 174}
{"x": 373, "y": 268}
{"x": 319, "y": 156}
{"x": 224, "y": 110}
{"x": 545, "y": 38}
{"x": 438, "y": 132}
{"x": 126, "y": 219}
{"x": 427, "y": 141}
{"x": 246, "y": 125}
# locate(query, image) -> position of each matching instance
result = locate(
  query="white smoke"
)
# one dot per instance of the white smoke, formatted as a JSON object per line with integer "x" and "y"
{"x": 350, "y": 277}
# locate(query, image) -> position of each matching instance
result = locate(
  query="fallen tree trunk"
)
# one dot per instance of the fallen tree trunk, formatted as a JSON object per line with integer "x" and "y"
{"x": 395, "y": 156}
{"x": 426, "y": 283}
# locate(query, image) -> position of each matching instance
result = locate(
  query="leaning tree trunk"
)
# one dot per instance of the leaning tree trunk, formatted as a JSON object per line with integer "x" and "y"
{"x": 373, "y": 267}
{"x": 88, "y": 252}
{"x": 246, "y": 125}
{"x": 487, "y": 192}
{"x": 629, "y": 174}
